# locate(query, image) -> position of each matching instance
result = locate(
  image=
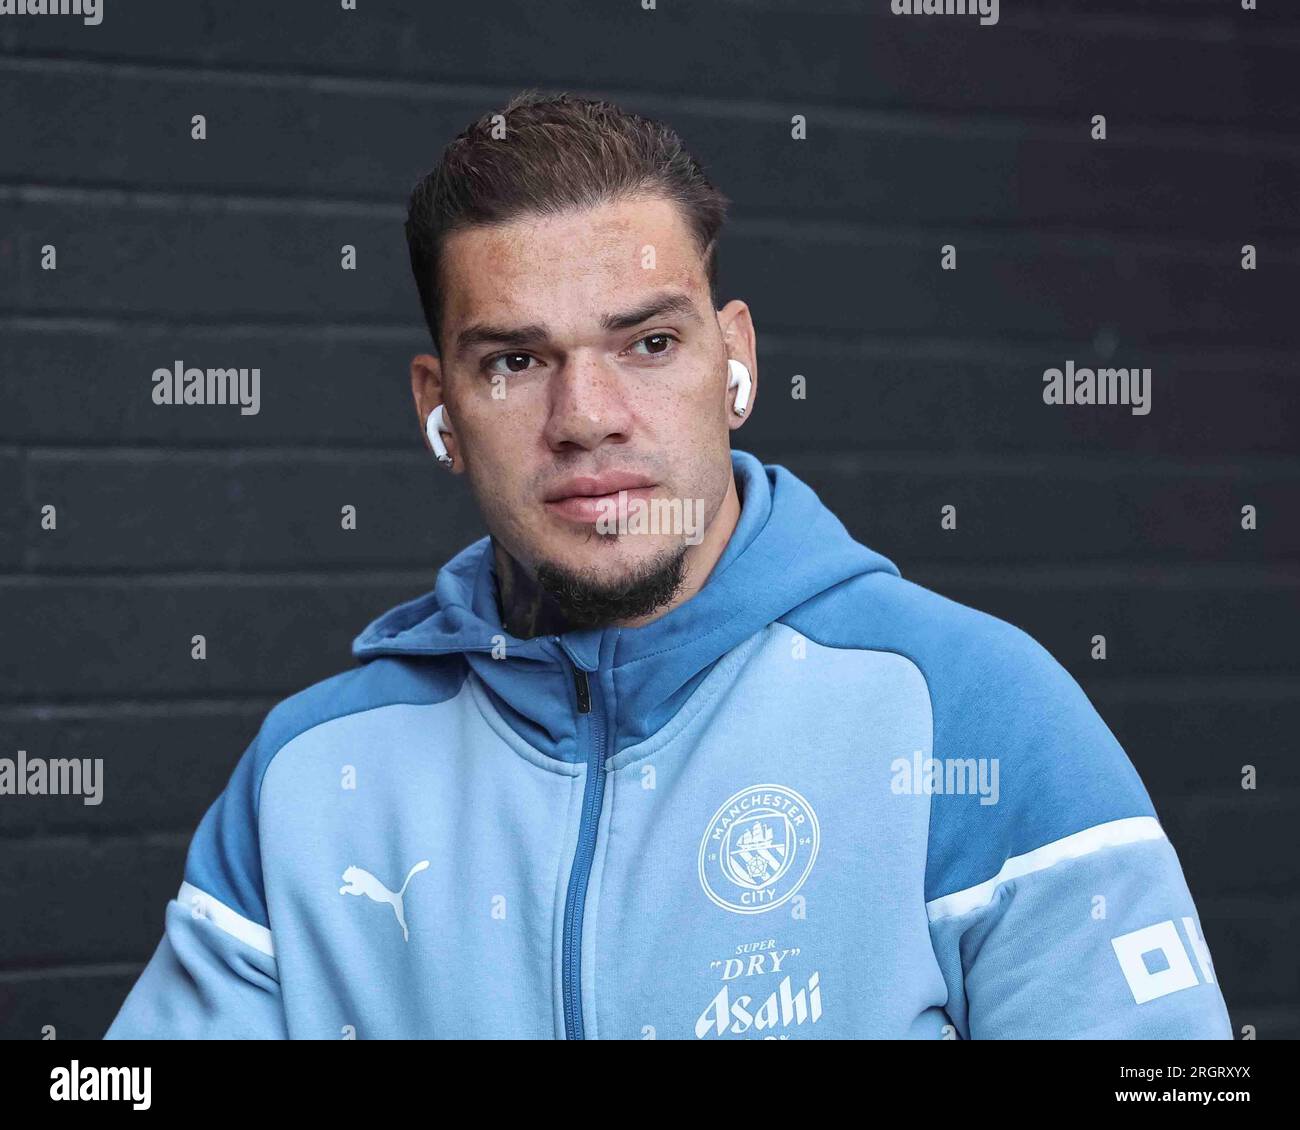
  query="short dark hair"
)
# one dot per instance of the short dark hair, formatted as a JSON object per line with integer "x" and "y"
{"x": 558, "y": 152}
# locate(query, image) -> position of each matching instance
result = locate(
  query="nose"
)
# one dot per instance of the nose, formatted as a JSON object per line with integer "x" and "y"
{"x": 588, "y": 406}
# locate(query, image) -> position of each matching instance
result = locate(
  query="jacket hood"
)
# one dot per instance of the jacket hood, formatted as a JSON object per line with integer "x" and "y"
{"x": 786, "y": 549}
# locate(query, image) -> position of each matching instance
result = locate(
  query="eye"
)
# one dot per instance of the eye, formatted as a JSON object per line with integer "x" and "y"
{"x": 663, "y": 344}
{"x": 510, "y": 359}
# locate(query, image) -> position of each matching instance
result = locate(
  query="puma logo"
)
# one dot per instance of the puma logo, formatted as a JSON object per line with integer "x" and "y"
{"x": 358, "y": 881}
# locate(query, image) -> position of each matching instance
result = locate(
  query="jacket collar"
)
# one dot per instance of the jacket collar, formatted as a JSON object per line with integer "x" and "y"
{"x": 786, "y": 548}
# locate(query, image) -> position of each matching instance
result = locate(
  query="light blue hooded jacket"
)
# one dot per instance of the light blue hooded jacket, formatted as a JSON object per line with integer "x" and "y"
{"x": 813, "y": 801}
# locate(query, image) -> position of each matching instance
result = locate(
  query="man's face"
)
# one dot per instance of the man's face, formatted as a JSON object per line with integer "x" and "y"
{"x": 582, "y": 355}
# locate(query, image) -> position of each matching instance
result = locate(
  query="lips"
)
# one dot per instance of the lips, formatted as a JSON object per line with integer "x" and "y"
{"x": 597, "y": 486}
{"x": 586, "y": 498}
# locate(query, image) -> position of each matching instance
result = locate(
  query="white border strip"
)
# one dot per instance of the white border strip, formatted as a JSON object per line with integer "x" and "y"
{"x": 1131, "y": 830}
{"x": 223, "y": 918}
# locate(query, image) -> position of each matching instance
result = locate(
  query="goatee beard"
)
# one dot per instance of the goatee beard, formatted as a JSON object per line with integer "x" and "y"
{"x": 585, "y": 601}
{"x": 558, "y": 600}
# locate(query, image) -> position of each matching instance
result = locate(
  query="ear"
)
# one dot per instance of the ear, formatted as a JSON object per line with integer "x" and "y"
{"x": 428, "y": 392}
{"x": 737, "y": 328}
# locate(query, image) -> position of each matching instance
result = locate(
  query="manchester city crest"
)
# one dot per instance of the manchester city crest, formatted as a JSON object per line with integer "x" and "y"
{"x": 758, "y": 849}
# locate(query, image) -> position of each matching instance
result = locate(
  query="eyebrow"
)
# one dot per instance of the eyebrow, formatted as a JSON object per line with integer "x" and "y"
{"x": 657, "y": 305}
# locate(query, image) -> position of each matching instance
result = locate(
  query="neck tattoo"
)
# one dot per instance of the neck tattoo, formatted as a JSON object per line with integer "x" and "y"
{"x": 526, "y": 610}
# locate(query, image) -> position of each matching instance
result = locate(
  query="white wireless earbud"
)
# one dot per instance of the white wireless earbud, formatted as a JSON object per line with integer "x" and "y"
{"x": 742, "y": 381}
{"x": 436, "y": 425}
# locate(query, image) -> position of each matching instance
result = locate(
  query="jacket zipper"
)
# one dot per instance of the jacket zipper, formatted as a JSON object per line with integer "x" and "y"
{"x": 576, "y": 898}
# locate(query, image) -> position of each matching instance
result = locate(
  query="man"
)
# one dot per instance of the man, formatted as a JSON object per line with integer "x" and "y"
{"x": 668, "y": 754}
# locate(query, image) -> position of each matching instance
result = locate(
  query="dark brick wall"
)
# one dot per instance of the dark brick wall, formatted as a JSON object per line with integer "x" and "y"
{"x": 924, "y": 386}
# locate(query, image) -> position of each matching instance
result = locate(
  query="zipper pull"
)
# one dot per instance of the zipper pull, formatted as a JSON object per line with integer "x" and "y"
{"x": 583, "y": 689}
